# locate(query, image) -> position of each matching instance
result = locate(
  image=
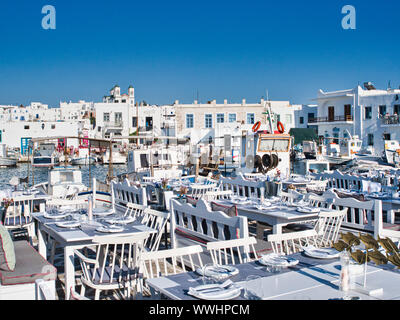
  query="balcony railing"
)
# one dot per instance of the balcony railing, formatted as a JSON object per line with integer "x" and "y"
{"x": 331, "y": 119}
{"x": 115, "y": 124}
{"x": 387, "y": 120}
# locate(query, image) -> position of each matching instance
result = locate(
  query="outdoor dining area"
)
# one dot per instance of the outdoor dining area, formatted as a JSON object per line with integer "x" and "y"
{"x": 229, "y": 239}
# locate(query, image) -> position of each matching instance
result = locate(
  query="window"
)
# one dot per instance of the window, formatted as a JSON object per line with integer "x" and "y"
{"x": 368, "y": 112}
{"x": 396, "y": 109}
{"x": 134, "y": 122}
{"x": 370, "y": 139}
{"x": 386, "y": 136}
{"x": 311, "y": 115}
{"x": 208, "y": 120}
{"x": 26, "y": 127}
{"x": 99, "y": 129}
{"x": 118, "y": 117}
{"x": 250, "y": 118}
{"x": 288, "y": 118}
{"x": 301, "y": 120}
{"x": 106, "y": 117}
{"x": 189, "y": 121}
{"x": 232, "y": 117}
{"x": 123, "y": 100}
{"x": 53, "y": 126}
{"x": 382, "y": 110}
{"x": 220, "y": 118}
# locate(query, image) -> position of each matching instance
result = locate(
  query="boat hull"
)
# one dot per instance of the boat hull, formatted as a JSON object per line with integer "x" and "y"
{"x": 7, "y": 162}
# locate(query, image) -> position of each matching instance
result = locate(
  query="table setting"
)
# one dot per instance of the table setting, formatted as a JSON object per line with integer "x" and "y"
{"x": 101, "y": 220}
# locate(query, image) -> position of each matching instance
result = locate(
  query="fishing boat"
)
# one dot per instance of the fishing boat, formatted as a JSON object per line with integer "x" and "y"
{"x": 63, "y": 182}
{"x": 117, "y": 156}
{"x": 8, "y": 158}
{"x": 45, "y": 156}
{"x": 82, "y": 157}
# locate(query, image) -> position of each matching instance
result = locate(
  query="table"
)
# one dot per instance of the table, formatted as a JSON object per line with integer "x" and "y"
{"x": 314, "y": 279}
{"x": 275, "y": 215}
{"x": 72, "y": 239}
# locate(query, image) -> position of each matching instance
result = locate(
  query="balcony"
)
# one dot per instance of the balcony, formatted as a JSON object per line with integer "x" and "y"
{"x": 168, "y": 125}
{"x": 390, "y": 120}
{"x": 115, "y": 124}
{"x": 347, "y": 118}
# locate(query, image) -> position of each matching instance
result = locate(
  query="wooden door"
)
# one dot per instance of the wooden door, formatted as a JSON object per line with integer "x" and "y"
{"x": 331, "y": 113}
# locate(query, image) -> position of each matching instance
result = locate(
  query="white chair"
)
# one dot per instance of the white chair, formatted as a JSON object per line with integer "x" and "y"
{"x": 198, "y": 191}
{"x": 166, "y": 262}
{"x": 324, "y": 234}
{"x": 19, "y": 215}
{"x": 218, "y": 195}
{"x": 224, "y": 252}
{"x": 114, "y": 266}
{"x": 292, "y": 242}
{"x": 328, "y": 227}
{"x": 75, "y": 203}
{"x": 156, "y": 220}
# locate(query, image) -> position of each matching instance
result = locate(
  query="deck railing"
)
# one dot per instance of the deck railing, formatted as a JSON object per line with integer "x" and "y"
{"x": 331, "y": 119}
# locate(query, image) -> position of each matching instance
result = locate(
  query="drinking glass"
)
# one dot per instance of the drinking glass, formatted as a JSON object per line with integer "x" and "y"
{"x": 253, "y": 288}
{"x": 207, "y": 279}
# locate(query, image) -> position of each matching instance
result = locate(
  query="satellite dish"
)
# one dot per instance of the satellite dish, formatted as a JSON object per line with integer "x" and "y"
{"x": 250, "y": 162}
{"x": 14, "y": 181}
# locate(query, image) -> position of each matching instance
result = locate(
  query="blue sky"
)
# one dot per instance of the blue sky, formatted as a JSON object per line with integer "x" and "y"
{"x": 170, "y": 50}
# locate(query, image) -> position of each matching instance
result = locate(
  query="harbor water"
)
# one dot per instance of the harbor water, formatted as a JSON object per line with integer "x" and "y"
{"x": 97, "y": 171}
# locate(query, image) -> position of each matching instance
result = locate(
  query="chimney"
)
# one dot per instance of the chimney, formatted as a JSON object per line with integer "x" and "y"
{"x": 225, "y": 101}
{"x": 195, "y": 101}
{"x": 243, "y": 101}
{"x": 176, "y": 102}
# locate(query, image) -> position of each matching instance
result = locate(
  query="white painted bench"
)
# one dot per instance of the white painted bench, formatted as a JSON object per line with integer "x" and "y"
{"x": 124, "y": 193}
{"x": 243, "y": 187}
{"x": 199, "y": 225}
{"x": 30, "y": 267}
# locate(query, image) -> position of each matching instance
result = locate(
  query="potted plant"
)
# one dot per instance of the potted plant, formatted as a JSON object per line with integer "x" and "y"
{"x": 352, "y": 244}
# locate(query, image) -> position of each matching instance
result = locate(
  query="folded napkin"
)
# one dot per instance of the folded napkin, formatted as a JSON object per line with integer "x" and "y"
{"x": 315, "y": 252}
{"x": 308, "y": 209}
{"x": 215, "y": 291}
{"x": 218, "y": 272}
{"x": 274, "y": 259}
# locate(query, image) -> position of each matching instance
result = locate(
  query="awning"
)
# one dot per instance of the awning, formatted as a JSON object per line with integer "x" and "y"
{"x": 302, "y": 134}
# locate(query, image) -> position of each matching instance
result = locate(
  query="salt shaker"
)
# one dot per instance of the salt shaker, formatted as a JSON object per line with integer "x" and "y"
{"x": 90, "y": 209}
{"x": 344, "y": 272}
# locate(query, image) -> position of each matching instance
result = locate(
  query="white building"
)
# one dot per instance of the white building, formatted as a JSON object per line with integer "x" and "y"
{"x": 369, "y": 113}
{"x": 17, "y": 134}
{"x": 206, "y": 121}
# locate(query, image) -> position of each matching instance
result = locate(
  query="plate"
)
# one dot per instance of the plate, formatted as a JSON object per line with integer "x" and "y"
{"x": 308, "y": 210}
{"x": 120, "y": 220}
{"x": 68, "y": 224}
{"x": 102, "y": 212}
{"x": 214, "y": 292}
{"x": 277, "y": 260}
{"x": 219, "y": 272}
{"x": 55, "y": 216}
{"x": 321, "y": 253}
{"x": 110, "y": 229}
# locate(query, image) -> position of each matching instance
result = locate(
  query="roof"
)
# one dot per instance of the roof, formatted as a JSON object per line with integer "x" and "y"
{"x": 301, "y": 134}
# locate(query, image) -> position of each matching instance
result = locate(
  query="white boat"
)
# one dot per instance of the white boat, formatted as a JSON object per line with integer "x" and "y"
{"x": 65, "y": 182}
{"x": 342, "y": 150}
{"x": 45, "y": 156}
{"x": 7, "y": 158}
{"x": 117, "y": 156}
{"x": 82, "y": 157}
